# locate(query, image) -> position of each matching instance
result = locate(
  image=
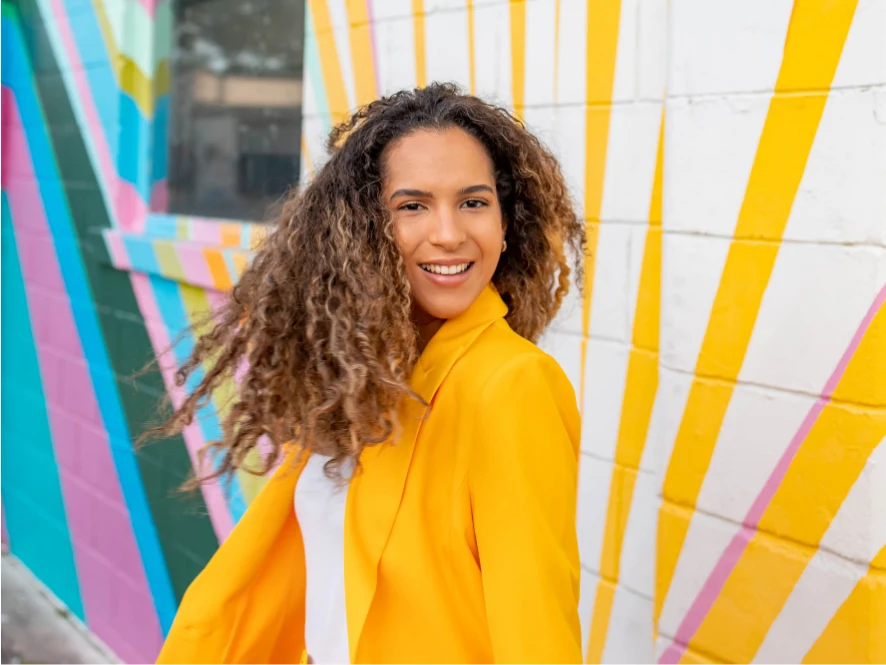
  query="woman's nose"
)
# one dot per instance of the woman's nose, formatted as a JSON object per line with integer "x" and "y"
{"x": 446, "y": 231}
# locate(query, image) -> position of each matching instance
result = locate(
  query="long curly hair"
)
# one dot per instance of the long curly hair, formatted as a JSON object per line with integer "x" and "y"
{"x": 318, "y": 329}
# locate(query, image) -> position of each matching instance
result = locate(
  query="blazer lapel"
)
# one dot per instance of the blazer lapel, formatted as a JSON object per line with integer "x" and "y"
{"x": 376, "y": 490}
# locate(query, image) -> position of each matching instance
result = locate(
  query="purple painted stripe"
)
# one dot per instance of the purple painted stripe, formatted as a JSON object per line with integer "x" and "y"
{"x": 219, "y": 515}
{"x": 108, "y": 560}
{"x": 712, "y": 587}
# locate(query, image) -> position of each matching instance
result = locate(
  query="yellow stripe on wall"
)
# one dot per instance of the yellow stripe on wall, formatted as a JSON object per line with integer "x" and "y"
{"x": 816, "y": 34}
{"x": 827, "y": 465}
{"x": 636, "y": 411}
{"x": 518, "y": 55}
{"x": 472, "y": 55}
{"x": 361, "y": 51}
{"x": 863, "y": 613}
{"x": 603, "y": 25}
{"x": 330, "y": 66}
{"x": 421, "y": 69}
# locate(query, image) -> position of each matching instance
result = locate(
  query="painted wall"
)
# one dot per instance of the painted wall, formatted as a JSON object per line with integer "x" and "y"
{"x": 729, "y": 349}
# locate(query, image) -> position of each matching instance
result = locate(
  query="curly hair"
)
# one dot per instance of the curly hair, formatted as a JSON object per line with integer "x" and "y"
{"x": 319, "y": 326}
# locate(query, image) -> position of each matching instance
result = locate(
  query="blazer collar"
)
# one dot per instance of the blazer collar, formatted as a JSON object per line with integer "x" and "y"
{"x": 376, "y": 490}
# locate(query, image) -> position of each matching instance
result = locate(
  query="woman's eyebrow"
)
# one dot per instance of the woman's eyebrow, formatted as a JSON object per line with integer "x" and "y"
{"x": 412, "y": 192}
{"x": 473, "y": 189}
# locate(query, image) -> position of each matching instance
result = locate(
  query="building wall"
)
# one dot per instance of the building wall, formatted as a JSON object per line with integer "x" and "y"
{"x": 728, "y": 350}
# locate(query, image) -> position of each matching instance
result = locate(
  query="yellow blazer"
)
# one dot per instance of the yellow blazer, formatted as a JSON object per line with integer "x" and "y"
{"x": 460, "y": 540}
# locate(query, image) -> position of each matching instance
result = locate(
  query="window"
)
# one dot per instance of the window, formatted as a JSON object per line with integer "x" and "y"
{"x": 235, "y": 116}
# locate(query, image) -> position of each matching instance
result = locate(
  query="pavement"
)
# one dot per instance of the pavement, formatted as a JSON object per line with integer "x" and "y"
{"x": 37, "y": 628}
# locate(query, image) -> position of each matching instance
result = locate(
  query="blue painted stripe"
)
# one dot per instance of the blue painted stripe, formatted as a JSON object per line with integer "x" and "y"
{"x": 169, "y": 301}
{"x": 35, "y": 515}
{"x": 86, "y": 319}
{"x": 160, "y": 148}
{"x": 133, "y": 157}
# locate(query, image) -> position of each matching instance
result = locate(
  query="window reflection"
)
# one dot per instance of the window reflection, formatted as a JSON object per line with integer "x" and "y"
{"x": 235, "y": 123}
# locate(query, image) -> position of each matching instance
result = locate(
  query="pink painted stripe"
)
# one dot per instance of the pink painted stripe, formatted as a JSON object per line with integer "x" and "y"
{"x": 712, "y": 587}
{"x": 105, "y": 550}
{"x": 193, "y": 263}
{"x": 129, "y": 207}
{"x": 117, "y": 250}
{"x": 150, "y": 6}
{"x": 219, "y": 515}
{"x": 94, "y": 125}
{"x": 160, "y": 196}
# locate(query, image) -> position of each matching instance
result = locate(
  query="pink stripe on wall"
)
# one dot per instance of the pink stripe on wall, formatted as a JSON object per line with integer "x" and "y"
{"x": 713, "y": 585}
{"x": 131, "y": 211}
{"x": 109, "y": 564}
{"x": 94, "y": 125}
{"x": 219, "y": 515}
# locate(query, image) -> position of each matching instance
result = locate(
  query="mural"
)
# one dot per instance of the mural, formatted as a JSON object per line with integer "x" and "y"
{"x": 728, "y": 348}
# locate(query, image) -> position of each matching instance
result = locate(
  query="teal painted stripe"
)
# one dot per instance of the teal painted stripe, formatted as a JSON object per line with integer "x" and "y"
{"x": 32, "y": 496}
{"x": 86, "y": 319}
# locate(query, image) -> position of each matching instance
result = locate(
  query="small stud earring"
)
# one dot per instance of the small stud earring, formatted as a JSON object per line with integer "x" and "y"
{"x": 504, "y": 246}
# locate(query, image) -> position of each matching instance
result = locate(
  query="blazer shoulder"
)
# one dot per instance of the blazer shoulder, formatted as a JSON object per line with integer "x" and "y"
{"x": 500, "y": 357}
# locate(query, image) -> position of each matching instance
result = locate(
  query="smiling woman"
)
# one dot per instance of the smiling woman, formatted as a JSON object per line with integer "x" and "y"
{"x": 425, "y": 507}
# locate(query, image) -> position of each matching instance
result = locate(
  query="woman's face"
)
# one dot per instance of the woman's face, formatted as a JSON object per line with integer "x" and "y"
{"x": 440, "y": 188}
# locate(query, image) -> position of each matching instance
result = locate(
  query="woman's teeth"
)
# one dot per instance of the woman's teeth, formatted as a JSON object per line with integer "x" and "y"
{"x": 445, "y": 270}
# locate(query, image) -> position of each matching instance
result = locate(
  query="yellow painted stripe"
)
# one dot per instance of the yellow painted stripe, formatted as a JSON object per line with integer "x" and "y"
{"x": 333, "y": 81}
{"x": 240, "y": 261}
{"x": 673, "y": 523}
{"x": 197, "y": 306}
{"x": 603, "y": 26}
{"x": 306, "y": 153}
{"x": 518, "y": 55}
{"x": 421, "y": 69}
{"x": 361, "y": 51}
{"x": 167, "y": 260}
{"x": 827, "y": 465}
{"x": 231, "y": 234}
{"x": 857, "y": 631}
{"x": 788, "y": 133}
{"x": 472, "y": 56}
{"x": 130, "y": 78}
{"x": 556, "y": 50}
{"x": 639, "y": 396}
{"x": 602, "y": 607}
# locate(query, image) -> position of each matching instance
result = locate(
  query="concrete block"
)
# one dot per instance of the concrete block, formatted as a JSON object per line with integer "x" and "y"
{"x": 816, "y": 299}
{"x": 863, "y": 60}
{"x": 492, "y": 53}
{"x": 391, "y": 9}
{"x": 605, "y": 370}
{"x": 629, "y": 639}
{"x": 572, "y": 69}
{"x": 637, "y": 566}
{"x": 610, "y": 300}
{"x": 710, "y": 146}
{"x": 841, "y": 198}
{"x": 446, "y": 44}
{"x": 691, "y": 271}
{"x": 719, "y": 48}
{"x": 630, "y": 162}
{"x": 594, "y": 477}
{"x": 758, "y": 427}
{"x": 823, "y": 587}
{"x": 624, "y": 85}
{"x": 539, "y": 51}
{"x": 652, "y": 54}
{"x": 667, "y": 412}
{"x": 395, "y": 48}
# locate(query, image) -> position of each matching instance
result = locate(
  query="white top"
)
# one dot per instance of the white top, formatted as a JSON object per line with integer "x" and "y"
{"x": 320, "y": 510}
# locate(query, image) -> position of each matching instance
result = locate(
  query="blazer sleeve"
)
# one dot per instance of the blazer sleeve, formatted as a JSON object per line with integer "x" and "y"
{"x": 523, "y": 477}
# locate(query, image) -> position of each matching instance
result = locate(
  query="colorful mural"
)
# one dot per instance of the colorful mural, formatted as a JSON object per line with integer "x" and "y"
{"x": 728, "y": 347}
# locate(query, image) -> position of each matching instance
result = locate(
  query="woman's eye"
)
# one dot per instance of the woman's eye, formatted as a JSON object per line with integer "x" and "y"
{"x": 474, "y": 203}
{"x": 410, "y": 207}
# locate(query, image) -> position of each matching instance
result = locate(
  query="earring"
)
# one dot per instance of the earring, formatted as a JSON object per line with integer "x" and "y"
{"x": 504, "y": 246}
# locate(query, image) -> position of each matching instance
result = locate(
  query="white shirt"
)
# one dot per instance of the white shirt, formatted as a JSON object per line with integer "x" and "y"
{"x": 320, "y": 510}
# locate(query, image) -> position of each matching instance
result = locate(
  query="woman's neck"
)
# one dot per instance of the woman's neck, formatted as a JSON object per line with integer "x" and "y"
{"x": 427, "y": 326}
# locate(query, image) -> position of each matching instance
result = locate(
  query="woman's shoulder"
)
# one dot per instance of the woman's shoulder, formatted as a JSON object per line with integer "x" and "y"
{"x": 500, "y": 361}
